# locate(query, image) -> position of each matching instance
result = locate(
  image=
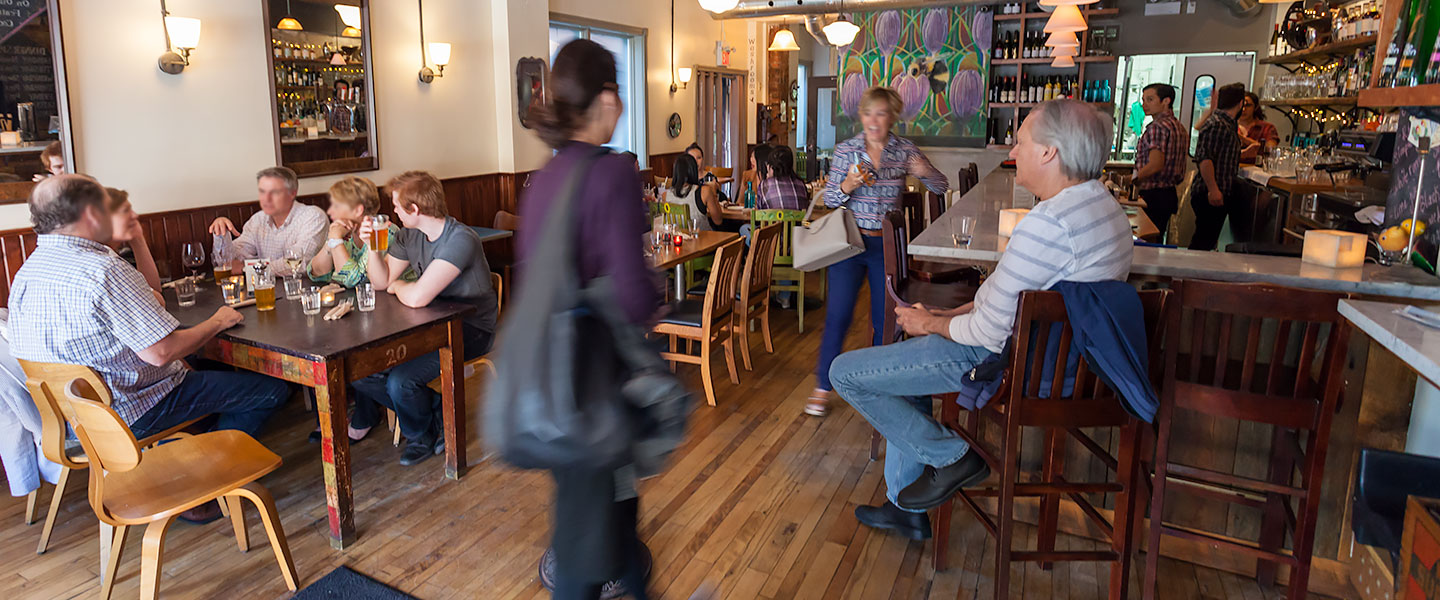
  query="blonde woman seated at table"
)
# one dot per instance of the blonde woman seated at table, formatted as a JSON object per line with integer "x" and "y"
{"x": 343, "y": 258}
{"x": 128, "y": 241}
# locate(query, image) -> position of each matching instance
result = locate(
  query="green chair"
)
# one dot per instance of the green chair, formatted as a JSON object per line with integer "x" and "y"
{"x": 674, "y": 214}
{"x": 785, "y": 277}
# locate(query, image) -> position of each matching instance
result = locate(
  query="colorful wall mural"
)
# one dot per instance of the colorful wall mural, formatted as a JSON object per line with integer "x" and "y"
{"x": 937, "y": 59}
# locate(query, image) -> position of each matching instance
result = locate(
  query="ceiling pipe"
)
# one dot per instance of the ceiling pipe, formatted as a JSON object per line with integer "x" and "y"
{"x": 815, "y": 24}
{"x": 776, "y": 8}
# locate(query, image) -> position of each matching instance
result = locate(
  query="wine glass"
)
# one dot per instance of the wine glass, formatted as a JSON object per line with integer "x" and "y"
{"x": 192, "y": 255}
{"x": 293, "y": 258}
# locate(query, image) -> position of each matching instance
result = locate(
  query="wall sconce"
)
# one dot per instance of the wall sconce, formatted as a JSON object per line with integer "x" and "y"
{"x": 438, "y": 52}
{"x": 350, "y": 16}
{"x": 182, "y": 34}
{"x": 684, "y": 74}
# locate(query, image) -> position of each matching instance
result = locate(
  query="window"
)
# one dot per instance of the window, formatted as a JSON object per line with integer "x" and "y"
{"x": 1204, "y": 87}
{"x": 628, "y": 46}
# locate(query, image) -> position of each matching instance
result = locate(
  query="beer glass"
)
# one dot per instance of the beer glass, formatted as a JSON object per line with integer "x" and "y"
{"x": 264, "y": 290}
{"x": 220, "y": 257}
{"x": 379, "y": 237}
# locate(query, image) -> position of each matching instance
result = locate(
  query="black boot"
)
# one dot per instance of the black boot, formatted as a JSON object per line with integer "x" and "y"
{"x": 913, "y": 525}
{"x": 935, "y": 486}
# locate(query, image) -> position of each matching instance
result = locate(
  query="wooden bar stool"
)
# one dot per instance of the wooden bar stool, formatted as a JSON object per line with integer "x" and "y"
{"x": 1229, "y": 380}
{"x": 1019, "y": 403}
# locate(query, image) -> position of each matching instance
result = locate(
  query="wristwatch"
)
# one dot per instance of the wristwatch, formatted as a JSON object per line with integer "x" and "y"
{"x": 331, "y": 243}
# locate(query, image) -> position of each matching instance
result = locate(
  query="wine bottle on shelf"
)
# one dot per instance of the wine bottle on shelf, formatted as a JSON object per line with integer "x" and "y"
{"x": 1010, "y": 133}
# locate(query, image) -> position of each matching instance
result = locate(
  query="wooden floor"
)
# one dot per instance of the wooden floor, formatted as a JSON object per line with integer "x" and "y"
{"x": 758, "y": 504}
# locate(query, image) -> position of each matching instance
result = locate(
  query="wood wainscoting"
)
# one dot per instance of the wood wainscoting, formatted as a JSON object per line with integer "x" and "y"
{"x": 472, "y": 200}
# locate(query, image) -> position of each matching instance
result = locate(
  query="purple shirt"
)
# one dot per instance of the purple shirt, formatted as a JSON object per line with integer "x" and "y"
{"x": 612, "y": 225}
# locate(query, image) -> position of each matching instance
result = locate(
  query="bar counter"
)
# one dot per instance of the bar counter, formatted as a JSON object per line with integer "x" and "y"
{"x": 997, "y": 191}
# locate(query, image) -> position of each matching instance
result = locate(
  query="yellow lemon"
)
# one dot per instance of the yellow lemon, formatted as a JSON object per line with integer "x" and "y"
{"x": 1419, "y": 227}
{"x": 1393, "y": 239}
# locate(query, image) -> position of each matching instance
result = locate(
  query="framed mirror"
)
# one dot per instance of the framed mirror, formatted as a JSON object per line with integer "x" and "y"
{"x": 34, "y": 108}
{"x": 323, "y": 100}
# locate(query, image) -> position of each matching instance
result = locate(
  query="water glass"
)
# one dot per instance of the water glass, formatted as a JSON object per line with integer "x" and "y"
{"x": 185, "y": 291}
{"x": 232, "y": 290}
{"x": 964, "y": 231}
{"x": 310, "y": 300}
{"x": 292, "y": 287}
{"x": 365, "y": 297}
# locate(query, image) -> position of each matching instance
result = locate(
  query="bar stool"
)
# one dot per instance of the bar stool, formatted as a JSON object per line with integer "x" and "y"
{"x": 1214, "y": 381}
{"x": 1037, "y": 347}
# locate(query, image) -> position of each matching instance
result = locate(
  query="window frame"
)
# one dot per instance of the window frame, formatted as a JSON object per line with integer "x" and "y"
{"x": 637, "y": 108}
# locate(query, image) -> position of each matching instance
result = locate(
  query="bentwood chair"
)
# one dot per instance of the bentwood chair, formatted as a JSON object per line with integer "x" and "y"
{"x": 470, "y": 367}
{"x": 130, "y": 488}
{"x": 45, "y": 382}
{"x": 784, "y": 260}
{"x": 1041, "y": 342}
{"x": 708, "y": 321}
{"x": 752, "y": 302}
{"x": 1292, "y": 385}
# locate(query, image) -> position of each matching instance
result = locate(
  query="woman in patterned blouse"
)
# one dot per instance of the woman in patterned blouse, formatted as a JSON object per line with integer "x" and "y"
{"x": 342, "y": 260}
{"x": 867, "y": 175}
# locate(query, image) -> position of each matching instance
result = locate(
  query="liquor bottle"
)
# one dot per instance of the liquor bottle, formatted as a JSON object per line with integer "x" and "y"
{"x": 1412, "y": 63}
{"x": 1109, "y": 95}
{"x": 1010, "y": 133}
{"x": 1275, "y": 42}
{"x": 749, "y": 194}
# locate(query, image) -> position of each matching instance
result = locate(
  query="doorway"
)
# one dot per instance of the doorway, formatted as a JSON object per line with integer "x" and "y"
{"x": 819, "y": 126}
{"x": 720, "y": 118}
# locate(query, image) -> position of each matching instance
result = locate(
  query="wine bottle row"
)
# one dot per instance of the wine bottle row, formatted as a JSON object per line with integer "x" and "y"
{"x": 1031, "y": 89}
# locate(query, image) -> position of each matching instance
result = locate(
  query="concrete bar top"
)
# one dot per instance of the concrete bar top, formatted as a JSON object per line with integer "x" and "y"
{"x": 1415, "y": 344}
{"x": 997, "y": 190}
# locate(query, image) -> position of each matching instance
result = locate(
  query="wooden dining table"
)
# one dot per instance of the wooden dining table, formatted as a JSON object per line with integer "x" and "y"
{"x": 326, "y": 355}
{"x": 696, "y": 245}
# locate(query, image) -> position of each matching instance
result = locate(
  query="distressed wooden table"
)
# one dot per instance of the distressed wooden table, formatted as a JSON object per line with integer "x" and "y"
{"x": 326, "y": 355}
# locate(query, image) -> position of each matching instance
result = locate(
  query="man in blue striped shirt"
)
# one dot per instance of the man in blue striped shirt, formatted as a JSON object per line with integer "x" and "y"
{"x": 1076, "y": 233}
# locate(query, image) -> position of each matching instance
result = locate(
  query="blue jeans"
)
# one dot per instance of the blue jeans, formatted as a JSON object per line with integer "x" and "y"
{"x": 845, "y": 278}
{"x": 405, "y": 388}
{"x": 243, "y": 401}
{"x": 891, "y": 387}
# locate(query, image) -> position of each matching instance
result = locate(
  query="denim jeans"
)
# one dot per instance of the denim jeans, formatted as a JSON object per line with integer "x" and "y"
{"x": 405, "y": 388}
{"x": 891, "y": 387}
{"x": 845, "y": 278}
{"x": 243, "y": 401}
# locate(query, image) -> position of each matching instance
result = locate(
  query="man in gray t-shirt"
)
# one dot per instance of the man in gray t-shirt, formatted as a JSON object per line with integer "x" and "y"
{"x": 447, "y": 256}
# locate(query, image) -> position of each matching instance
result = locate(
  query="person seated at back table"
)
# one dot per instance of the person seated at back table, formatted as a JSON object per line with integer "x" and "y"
{"x": 53, "y": 157}
{"x": 74, "y": 301}
{"x": 780, "y": 187}
{"x": 281, "y": 224}
{"x": 1077, "y": 232}
{"x": 448, "y": 257}
{"x": 128, "y": 240}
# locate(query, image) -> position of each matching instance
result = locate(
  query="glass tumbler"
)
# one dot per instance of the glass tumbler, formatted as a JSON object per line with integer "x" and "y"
{"x": 185, "y": 291}
{"x": 310, "y": 301}
{"x": 365, "y": 297}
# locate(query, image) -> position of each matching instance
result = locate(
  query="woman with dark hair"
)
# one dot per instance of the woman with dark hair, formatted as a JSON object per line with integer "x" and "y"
{"x": 595, "y": 540}
{"x": 752, "y": 176}
{"x": 1257, "y": 136}
{"x": 686, "y": 188}
{"x": 780, "y": 187}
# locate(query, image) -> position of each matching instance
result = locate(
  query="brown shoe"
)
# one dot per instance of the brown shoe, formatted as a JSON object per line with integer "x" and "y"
{"x": 200, "y": 515}
{"x": 818, "y": 405}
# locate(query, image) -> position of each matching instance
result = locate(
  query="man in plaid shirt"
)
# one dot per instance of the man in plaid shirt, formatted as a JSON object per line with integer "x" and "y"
{"x": 1218, "y": 155}
{"x": 75, "y": 301}
{"x": 281, "y": 224}
{"x": 1160, "y": 155}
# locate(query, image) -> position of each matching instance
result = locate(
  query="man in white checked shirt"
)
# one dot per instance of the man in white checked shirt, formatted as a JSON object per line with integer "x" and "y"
{"x": 1076, "y": 233}
{"x": 75, "y": 301}
{"x": 280, "y": 225}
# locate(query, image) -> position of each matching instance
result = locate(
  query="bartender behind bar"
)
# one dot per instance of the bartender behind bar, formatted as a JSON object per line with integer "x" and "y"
{"x": 1160, "y": 155}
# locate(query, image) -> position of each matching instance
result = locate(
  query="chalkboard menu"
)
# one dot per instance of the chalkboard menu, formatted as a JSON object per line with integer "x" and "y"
{"x": 27, "y": 68}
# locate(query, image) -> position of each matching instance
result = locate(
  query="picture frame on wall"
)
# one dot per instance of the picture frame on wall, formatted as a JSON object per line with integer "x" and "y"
{"x": 530, "y": 76}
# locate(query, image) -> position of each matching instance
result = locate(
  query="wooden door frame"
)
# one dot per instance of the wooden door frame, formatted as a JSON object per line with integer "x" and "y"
{"x": 739, "y": 107}
{"x": 812, "y": 123}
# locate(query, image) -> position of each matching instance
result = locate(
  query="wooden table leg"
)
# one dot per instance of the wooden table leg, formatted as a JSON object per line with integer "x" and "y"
{"x": 335, "y": 451}
{"x": 452, "y": 391}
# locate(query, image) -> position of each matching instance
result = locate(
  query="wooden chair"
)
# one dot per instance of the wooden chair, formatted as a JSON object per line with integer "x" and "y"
{"x": 707, "y": 321}
{"x": 470, "y": 367}
{"x": 912, "y": 212}
{"x": 753, "y": 300}
{"x": 45, "y": 382}
{"x": 510, "y": 222}
{"x": 1294, "y": 398}
{"x": 784, "y": 254}
{"x": 673, "y": 214}
{"x": 132, "y": 488}
{"x": 1061, "y": 415}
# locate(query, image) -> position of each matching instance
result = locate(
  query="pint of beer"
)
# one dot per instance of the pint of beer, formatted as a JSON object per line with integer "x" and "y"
{"x": 379, "y": 236}
{"x": 265, "y": 297}
{"x": 222, "y": 272}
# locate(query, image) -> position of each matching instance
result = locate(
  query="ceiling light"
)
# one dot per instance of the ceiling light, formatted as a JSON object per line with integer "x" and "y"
{"x": 784, "y": 41}
{"x": 1063, "y": 62}
{"x": 841, "y": 33}
{"x": 718, "y": 6}
{"x": 1073, "y": 2}
{"x": 1067, "y": 38}
{"x": 1065, "y": 51}
{"x": 350, "y": 15}
{"x": 289, "y": 23}
{"x": 1065, "y": 18}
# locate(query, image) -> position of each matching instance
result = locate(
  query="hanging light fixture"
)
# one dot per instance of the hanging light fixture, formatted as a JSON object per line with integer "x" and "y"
{"x": 1071, "y": 51}
{"x": 1070, "y": 2}
{"x": 1063, "y": 62}
{"x": 1067, "y": 38}
{"x": 842, "y": 32}
{"x": 289, "y": 23}
{"x": 438, "y": 52}
{"x": 784, "y": 41}
{"x": 718, "y": 6}
{"x": 350, "y": 16}
{"x": 1065, "y": 18}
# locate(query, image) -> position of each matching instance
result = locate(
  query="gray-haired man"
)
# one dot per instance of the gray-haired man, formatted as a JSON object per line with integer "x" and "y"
{"x": 1076, "y": 233}
{"x": 281, "y": 224}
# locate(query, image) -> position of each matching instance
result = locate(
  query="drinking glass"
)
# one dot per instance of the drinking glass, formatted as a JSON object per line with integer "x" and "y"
{"x": 365, "y": 297}
{"x": 185, "y": 291}
{"x": 221, "y": 259}
{"x": 310, "y": 301}
{"x": 292, "y": 287}
{"x": 192, "y": 255}
{"x": 379, "y": 238}
{"x": 232, "y": 290}
{"x": 964, "y": 231}
{"x": 293, "y": 259}
{"x": 264, "y": 290}
{"x": 694, "y": 226}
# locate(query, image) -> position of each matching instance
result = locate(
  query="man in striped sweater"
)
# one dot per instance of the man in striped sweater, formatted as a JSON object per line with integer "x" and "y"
{"x": 1076, "y": 233}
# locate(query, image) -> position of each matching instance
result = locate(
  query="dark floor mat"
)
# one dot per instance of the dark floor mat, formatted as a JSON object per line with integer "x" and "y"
{"x": 346, "y": 583}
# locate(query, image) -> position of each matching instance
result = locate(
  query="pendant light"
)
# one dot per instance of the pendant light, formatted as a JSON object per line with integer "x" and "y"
{"x": 718, "y": 6}
{"x": 842, "y": 32}
{"x": 350, "y": 16}
{"x": 784, "y": 41}
{"x": 1060, "y": 39}
{"x": 289, "y": 23}
{"x": 1065, "y": 18}
{"x": 1071, "y": 51}
{"x": 1063, "y": 62}
{"x": 1070, "y": 2}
